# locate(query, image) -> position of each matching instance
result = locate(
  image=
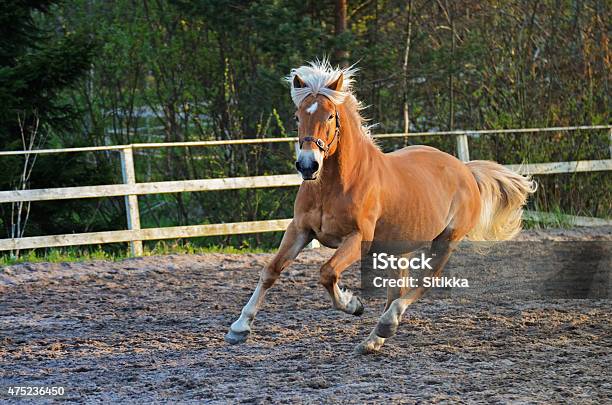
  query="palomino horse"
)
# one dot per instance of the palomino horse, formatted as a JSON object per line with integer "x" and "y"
{"x": 353, "y": 193}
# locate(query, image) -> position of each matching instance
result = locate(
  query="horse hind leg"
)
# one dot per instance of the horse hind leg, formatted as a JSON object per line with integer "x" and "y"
{"x": 394, "y": 293}
{"x": 374, "y": 342}
{"x": 441, "y": 250}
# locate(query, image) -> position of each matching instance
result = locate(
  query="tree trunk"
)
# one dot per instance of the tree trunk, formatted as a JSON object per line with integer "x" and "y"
{"x": 451, "y": 79}
{"x": 341, "y": 54}
{"x": 405, "y": 72}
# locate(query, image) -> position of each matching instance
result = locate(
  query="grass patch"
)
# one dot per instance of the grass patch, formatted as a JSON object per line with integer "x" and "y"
{"x": 554, "y": 217}
{"x": 60, "y": 255}
{"x": 84, "y": 254}
{"x": 165, "y": 248}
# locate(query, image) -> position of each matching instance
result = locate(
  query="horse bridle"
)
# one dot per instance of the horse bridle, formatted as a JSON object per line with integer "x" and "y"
{"x": 320, "y": 142}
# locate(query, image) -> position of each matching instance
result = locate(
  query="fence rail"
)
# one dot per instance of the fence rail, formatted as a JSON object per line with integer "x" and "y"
{"x": 252, "y": 141}
{"x": 130, "y": 189}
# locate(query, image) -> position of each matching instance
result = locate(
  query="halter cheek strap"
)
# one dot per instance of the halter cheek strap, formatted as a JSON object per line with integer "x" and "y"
{"x": 320, "y": 142}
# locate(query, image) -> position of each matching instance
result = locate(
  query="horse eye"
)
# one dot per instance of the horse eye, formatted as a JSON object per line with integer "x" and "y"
{"x": 331, "y": 117}
{"x": 297, "y": 119}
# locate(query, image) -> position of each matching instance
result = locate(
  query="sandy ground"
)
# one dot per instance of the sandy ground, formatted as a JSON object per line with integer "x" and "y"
{"x": 151, "y": 330}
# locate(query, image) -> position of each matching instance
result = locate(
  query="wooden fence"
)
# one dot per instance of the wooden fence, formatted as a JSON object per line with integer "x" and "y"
{"x": 130, "y": 189}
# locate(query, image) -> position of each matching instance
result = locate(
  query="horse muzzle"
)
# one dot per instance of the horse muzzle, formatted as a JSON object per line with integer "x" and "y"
{"x": 309, "y": 163}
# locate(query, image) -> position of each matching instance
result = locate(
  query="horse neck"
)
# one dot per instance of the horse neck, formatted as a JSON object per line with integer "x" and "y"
{"x": 351, "y": 159}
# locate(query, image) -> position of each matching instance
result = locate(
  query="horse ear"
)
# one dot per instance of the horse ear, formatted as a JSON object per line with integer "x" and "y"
{"x": 297, "y": 82}
{"x": 337, "y": 84}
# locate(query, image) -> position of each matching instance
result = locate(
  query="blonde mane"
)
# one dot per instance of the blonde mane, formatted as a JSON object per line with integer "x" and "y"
{"x": 317, "y": 75}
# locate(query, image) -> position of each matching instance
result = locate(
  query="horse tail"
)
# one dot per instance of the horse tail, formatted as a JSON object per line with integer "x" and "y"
{"x": 503, "y": 194}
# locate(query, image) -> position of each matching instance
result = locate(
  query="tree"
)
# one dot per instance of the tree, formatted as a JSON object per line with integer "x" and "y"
{"x": 341, "y": 54}
{"x": 36, "y": 65}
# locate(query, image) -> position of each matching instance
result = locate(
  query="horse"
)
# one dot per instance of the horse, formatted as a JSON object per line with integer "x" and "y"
{"x": 352, "y": 193}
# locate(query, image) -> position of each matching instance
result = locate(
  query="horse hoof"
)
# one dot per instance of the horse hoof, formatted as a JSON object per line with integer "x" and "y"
{"x": 234, "y": 338}
{"x": 366, "y": 348}
{"x": 359, "y": 310}
{"x": 386, "y": 330}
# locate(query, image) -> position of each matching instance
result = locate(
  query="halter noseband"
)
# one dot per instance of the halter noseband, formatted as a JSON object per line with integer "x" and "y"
{"x": 320, "y": 142}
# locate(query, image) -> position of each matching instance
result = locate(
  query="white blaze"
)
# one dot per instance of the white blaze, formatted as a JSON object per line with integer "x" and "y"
{"x": 312, "y": 108}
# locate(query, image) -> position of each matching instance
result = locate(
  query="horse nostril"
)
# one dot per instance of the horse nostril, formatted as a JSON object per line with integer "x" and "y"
{"x": 315, "y": 166}
{"x": 297, "y": 165}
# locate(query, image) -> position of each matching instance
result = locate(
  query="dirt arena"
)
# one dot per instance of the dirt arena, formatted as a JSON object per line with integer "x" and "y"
{"x": 151, "y": 330}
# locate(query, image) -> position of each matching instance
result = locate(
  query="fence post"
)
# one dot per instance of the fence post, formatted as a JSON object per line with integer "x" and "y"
{"x": 131, "y": 201}
{"x": 314, "y": 244}
{"x": 463, "y": 150}
{"x": 610, "y": 140}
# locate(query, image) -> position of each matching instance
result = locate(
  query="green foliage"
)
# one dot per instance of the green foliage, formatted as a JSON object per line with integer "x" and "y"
{"x": 36, "y": 66}
{"x": 178, "y": 70}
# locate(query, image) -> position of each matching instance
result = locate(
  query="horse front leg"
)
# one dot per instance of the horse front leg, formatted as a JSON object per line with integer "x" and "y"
{"x": 347, "y": 253}
{"x": 292, "y": 244}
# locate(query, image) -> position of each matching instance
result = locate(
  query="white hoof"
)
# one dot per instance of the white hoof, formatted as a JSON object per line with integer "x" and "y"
{"x": 371, "y": 345}
{"x": 234, "y": 338}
